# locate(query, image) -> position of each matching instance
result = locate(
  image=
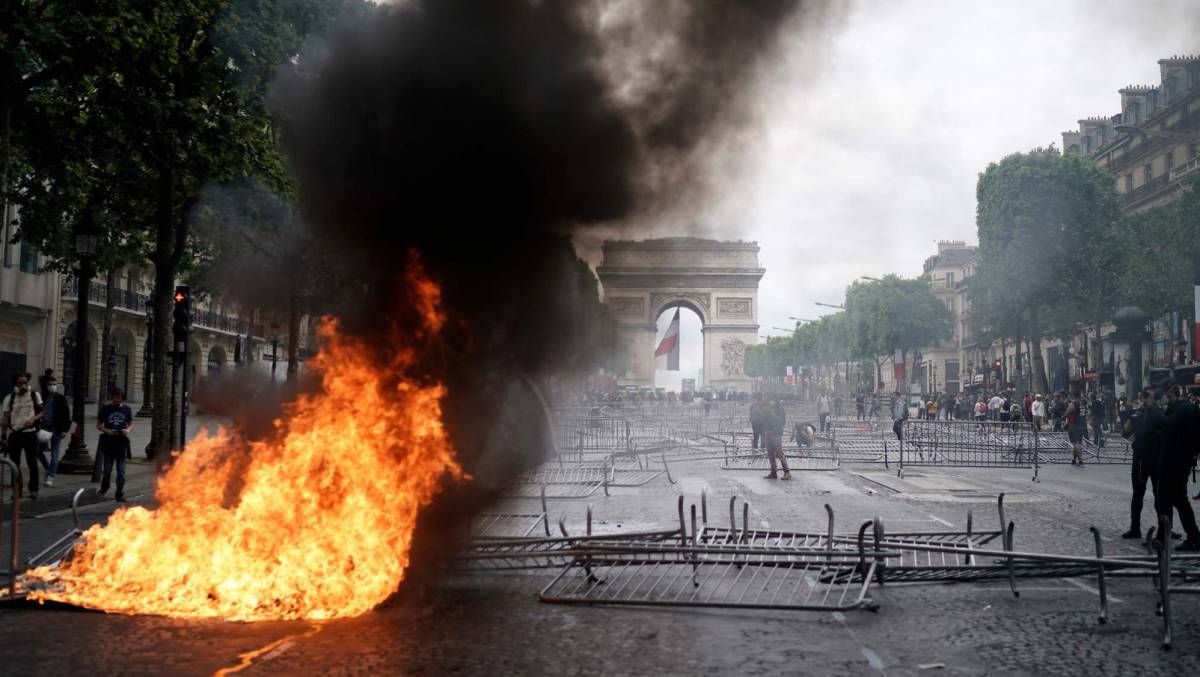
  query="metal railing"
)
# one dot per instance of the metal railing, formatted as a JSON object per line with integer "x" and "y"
{"x": 973, "y": 444}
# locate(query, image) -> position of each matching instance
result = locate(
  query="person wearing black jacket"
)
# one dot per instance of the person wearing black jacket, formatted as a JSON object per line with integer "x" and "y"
{"x": 57, "y": 421}
{"x": 1147, "y": 426}
{"x": 1176, "y": 464}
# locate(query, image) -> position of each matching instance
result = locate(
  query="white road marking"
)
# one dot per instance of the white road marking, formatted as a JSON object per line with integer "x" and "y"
{"x": 1094, "y": 591}
{"x": 940, "y": 520}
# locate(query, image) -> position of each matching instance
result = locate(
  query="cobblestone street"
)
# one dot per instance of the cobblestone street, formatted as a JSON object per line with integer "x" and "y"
{"x": 493, "y": 623}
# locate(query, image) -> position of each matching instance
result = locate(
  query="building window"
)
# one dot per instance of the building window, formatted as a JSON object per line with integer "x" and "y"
{"x": 949, "y": 279}
{"x": 29, "y": 256}
{"x": 1170, "y": 159}
{"x": 1128, "y": 183}
{"x": 1087, "y": 144}
{"x": 1193, "y": 150}
{"x": 1147, "y": 173}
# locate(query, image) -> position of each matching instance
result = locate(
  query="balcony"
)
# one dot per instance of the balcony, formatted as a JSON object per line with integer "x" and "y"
{"x": 1185, "y": 168}
{"x": 1147, "y": 189}
{"x": 132, "y": 301}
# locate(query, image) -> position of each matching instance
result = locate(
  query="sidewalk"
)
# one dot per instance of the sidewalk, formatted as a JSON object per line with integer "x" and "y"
{"x": 139, "y": 472}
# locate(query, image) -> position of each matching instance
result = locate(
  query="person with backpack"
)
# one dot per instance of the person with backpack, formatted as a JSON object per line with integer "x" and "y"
{"x": 56, "y": 423}
{"x": 22, "y": 413}
{"x": 115, "y": 422}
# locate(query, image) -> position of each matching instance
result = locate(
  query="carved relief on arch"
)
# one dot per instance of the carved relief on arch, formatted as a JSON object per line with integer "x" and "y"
{"x": 628, "y": 306}
{"x": 735, "y": 307}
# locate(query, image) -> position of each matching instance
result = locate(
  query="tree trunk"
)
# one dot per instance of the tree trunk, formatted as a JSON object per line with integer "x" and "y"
{"x": 170, "y": 238}
{"x": 5, "y": 155}
{"x": 106, "y": 375}
{"x": 1003, "y": 363}
{"x": 1039, "y": 363}
{"x": 1019, "y": 384}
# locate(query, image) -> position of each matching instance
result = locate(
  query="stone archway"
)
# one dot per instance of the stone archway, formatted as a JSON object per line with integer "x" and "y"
{"x": 717, "y": 280}
{"x": 124, "y": 351}
{"x": 216, "y": 361}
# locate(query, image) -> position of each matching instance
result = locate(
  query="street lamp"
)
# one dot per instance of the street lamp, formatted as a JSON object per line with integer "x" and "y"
{"x": 1157, "y": 133}
{"x": 801, "y": 319}
{"x": 829, "y": 305}
{"x": 77, "y": 457}
{"x": 868, "y": 277}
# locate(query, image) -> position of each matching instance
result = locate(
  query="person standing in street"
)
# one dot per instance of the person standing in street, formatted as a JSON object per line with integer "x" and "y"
{"x": 875, "y": 405}
{"x": 757, "y": 409}
{"x": 57, "y": 422}
{"x": 899, "y": 414}
{"x": 1176, "y": 466}
{"x": 773, "y": 423}
{"x": 115, "y": 422}
{"x": 993, "y": 406}
{"x": 1146, "y": 426}
{"x": 1096, "y": 409}
{"x": 823, "y": 411}
{"x": 1039, "y": 412}
{"x": 22, "y": 413}
{"x": 1075, "y": 423}
{"x": 860, "y": 406}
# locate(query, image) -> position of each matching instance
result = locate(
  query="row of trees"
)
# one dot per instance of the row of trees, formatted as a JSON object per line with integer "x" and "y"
{"x": 117, "y": 118}
{"x": 1059, "y": 256}
{"x": 883, "y": 318}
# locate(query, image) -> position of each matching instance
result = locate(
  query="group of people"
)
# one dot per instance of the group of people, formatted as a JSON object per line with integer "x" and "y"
{"x": 35, "y": 422}
{"x": 1165, "y": 438}
{"x": 767, "y": 423}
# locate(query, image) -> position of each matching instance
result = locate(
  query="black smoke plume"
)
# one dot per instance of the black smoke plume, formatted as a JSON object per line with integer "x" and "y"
{"x": 473, "y": 137}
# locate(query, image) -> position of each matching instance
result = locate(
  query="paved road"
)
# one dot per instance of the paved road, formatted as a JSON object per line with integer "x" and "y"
{"x": 493, "y": 624}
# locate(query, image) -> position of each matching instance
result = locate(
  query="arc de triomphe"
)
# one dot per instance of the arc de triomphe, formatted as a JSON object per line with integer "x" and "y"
{"x": 716, "y": 280}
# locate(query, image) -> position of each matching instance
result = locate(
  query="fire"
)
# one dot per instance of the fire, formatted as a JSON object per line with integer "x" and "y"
{"x": 315, "y": 524}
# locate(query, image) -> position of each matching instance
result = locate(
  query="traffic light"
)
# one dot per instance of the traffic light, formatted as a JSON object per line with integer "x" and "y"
{"x": 182, "y": 316}
{"x": 996, "y": 364}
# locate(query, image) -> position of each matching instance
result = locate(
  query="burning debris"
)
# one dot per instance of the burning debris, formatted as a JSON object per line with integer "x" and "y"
{"x": 314, "y": 524}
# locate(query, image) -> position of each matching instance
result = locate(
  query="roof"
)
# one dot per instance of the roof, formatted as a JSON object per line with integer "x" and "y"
{"x": 954, "y": 257}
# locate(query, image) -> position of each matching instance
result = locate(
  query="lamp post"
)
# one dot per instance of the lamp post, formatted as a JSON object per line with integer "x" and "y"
{"x": 829, "y": 305}
{"x": 147, "y": 409}
{"x": 77, "y": 458}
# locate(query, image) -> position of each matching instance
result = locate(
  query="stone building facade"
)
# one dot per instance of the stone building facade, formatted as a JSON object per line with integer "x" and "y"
{"x": 716, "y": 280}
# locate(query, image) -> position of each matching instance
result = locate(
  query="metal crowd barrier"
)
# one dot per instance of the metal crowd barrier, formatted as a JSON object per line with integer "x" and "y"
{"x": 974, "y": 444}
{"x": 1189, "y": 578}
{"x": 14, "y": 476}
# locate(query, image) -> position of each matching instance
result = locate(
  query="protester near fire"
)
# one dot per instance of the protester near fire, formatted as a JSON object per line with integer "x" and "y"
{"x": 1146, "y": 426}
{"x": 1176, "y": 465}
{"x": 115, "y": 422}
{"x": 22, "y": 413}
{"x": 56, "y": 422}
{"x": 773, "y": 423}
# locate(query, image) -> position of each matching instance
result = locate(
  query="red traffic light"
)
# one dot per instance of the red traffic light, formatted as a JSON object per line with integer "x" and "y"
{"x": 996, "y": 364}
{"x": 180, "y": 297}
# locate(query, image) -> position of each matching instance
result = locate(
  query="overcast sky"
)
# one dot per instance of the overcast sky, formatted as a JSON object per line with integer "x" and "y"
{"x": 874, "y": 131}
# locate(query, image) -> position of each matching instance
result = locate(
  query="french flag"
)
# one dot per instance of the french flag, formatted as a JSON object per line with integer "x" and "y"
{"x": 669, "y": 347}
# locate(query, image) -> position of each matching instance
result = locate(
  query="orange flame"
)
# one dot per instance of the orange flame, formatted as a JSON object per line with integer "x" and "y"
{"x": 315, "y": 524}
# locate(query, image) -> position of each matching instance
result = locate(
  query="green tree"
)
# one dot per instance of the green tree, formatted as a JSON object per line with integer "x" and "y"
{"x": 1046, "y": 228}
{"x": 894, "y": 314}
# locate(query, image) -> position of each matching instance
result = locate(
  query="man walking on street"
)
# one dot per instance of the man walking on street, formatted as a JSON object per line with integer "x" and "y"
{"x": 774, "y": 421}
{"x": 57, "y": 422}
{"x": 860, "y": 406}
{"x": 115, "y": 422}
{"x": 1146, "y": 426}
{"x": 1076, "y": 425}
{"x": 22, "y": 412}
{"x": 1176, "y": 465}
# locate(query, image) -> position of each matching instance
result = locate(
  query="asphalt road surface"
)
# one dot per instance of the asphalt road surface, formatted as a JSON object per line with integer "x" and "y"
{"x": 494, "y": 624}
